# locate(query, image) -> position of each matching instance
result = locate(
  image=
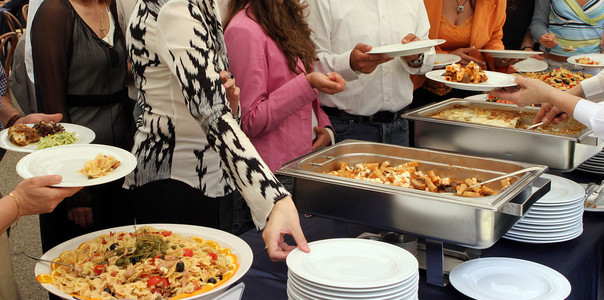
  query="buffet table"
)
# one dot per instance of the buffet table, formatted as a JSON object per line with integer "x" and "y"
{"x": 580, "y": 260}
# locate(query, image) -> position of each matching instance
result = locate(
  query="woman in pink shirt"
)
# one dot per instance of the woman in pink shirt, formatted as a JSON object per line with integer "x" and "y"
{"x": 271, "y": 56}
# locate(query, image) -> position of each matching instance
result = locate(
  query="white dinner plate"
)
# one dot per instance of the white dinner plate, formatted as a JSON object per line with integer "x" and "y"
{"x": 355, "y": 263}
{"x": 551, "y": 240}
{"x": 531, "y": 65}
{"x": 309, "y": 284}
{"x": 545, "y": 234}
{"x": 84, "y": 135}
{"x": 495, "y": 81}
{"x": 508, "y": 278}
{"x": 480, "y": 97}
{"x": 444, "y": 59}
{"x": 68, "y": 159}
{"x": 562, "y": 191}
{"x": 396, "y": 50}
{"x": 239, "y": 247}
{"x": 510, "y": 53}
{"x": 595, "y": 57}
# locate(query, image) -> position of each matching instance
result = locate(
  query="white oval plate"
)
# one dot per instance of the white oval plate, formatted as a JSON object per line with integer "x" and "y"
{"x": 510, "y": 53}
{"x": 355, "y": 263}
{"x": 508, "y": 278}
{"x": 443, "y": 59}
{"x": 596, "y": 57}
{"x": 239, "y": 247}
{"x": 563, "y": 191}
{"x": 68, "y": 159}
{"x": 496, "y": 81}
{"x": 84, "y": 135}
{"x": 396, "y": 50}
{"x": 531, "y": 65}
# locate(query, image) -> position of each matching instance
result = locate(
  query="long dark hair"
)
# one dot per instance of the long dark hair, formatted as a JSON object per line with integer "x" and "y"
{"x": 284, "y": 24}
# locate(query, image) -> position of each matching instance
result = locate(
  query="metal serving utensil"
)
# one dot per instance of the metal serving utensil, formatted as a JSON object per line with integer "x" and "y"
{"x": 506, "y": 176}
{"x": 59, "y": 263}
{"x": 535, "y": 125}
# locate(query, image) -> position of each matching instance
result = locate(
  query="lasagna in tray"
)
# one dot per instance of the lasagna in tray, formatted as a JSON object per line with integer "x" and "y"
{"x": 504, "y": 118}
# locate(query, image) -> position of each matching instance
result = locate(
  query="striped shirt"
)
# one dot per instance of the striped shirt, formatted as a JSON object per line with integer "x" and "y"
{"x": 573, "y": 25}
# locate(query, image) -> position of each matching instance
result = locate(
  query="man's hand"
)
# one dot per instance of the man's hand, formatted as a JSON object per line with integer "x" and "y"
{"x": 35, "y": 118}
{"x": 550, "y": 114}
{"x": 362, "y": 62}
{"x": 408, "y": 39}
{"x": 548, "y": 40}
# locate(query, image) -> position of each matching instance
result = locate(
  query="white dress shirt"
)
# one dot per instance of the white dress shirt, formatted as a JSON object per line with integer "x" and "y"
{"x": 339, "y": 25}
{"x": 31, "y": 14}
{"x": 591, "y": 114}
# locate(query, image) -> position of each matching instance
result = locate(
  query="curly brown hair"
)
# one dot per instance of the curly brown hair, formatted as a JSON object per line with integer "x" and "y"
{"x": 283, "y": 21}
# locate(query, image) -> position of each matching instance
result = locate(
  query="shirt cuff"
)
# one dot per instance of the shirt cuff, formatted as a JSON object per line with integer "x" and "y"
{"x": 584, "y": 111}
{"x": 331, "y": 135}
{"x": 343, "y": 67}
{"x": 591, "y": 87}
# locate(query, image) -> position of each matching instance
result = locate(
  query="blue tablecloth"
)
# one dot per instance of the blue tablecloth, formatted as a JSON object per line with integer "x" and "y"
{"x": 580, "y": 260}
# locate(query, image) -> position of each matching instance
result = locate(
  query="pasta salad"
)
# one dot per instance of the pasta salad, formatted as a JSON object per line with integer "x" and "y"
{"x": 148, "y": 263}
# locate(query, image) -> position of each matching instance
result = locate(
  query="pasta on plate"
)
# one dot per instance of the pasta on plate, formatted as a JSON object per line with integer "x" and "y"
{"x": 100, "y": 166}
{"x": 148, "y": 263}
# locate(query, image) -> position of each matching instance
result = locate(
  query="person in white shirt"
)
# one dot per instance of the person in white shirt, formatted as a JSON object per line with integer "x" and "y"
{"x": 555, "y": 102}
{"x": 378, "y": 88}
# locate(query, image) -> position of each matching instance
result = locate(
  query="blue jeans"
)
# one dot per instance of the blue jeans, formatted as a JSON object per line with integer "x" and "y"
{"x": 395, "y": 133}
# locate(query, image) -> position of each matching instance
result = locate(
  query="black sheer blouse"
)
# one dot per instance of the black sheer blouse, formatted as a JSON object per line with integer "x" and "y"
{"x": 80, "y": 75}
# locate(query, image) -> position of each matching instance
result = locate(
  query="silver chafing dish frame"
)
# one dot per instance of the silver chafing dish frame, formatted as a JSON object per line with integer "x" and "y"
{"x": 560, "y": 152}
{"x": 480, "y": 222}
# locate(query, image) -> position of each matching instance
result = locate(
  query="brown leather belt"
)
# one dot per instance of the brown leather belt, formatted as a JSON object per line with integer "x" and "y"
{"x": 378, "y": 117}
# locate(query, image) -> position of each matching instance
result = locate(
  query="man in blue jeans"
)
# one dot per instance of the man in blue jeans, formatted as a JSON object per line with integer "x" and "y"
{"x": 378, "y": 88}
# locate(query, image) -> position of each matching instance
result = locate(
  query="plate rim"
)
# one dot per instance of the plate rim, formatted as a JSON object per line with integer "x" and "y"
{"x": 232, "y": 239}
{"x": 532, "y": 70}
{"x": 501, "y": 53}
{"x": 457, "y": 281}
{"x": 428, "y": 44}
{"x": 7, "y": 145}
{"x": 456, "y": 59}
{"x": 127, "y": 168}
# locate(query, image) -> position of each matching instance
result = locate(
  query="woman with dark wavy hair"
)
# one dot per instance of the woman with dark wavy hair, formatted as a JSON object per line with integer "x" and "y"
{"x": 271, "y": 56}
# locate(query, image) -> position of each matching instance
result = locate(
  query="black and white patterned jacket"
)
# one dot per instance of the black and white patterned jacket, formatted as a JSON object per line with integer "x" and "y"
{"x": 187, "y": 131}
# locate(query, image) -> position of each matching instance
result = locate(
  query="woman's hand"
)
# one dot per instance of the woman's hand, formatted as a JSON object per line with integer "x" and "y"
{"x": 464, "y": 53}
{"x": 548, "y": 40}
{"x": 283, "y": 220}
{"x": 232, "y": 91}
{"x": 36, "y": 196}
{"x": 323, "y": 138}
{"x": 329, "y": 83}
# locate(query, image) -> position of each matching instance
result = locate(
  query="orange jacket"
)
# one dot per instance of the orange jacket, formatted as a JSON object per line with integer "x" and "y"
{"x": 487, "y": 25}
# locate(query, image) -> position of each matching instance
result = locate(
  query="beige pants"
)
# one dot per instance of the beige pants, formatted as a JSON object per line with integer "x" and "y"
{"x": 8, "y": 285}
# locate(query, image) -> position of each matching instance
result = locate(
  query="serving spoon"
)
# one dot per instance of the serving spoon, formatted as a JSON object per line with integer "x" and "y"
{"x": 535, "y": 125}
{"x": 506, "y": 176}
{"x": 59, "y": 263}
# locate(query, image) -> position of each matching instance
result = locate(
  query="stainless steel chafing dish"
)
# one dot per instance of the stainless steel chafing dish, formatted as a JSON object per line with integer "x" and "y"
{"x": 472, "y": 222}
{"x": 561, "y": 152}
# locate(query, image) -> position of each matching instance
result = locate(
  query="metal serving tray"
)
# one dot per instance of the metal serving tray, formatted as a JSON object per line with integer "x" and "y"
{"x": 472, "y": 222}
{"x": 561, "y": 152}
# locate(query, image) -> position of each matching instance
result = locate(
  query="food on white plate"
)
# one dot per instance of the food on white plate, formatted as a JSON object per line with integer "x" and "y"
{"x": 407, "y": 175}
{"x": 148, "y": 263}
{"x": 559, "y": 78}
{"x": 22, "y": 135}
{"x": 471, "y": 73}
{"x": 510, "y": 118}
{"x": 57, "y": 139}
{"x": 100, "y": 166}
{"x": 48, "y": 128}
{"x": 587, "y": 61}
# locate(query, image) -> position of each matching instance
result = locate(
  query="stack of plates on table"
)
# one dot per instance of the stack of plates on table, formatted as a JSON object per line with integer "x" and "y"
{"x": 556, "y": 217}
{"x": 594, "y": 165}
{"x": 352, "y": 269}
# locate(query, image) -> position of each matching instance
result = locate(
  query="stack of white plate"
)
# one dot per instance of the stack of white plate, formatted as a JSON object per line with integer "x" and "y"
{"x": 556, "y": 217}
{"x": 593, "y": 165}
{"x": 352, "y": 269}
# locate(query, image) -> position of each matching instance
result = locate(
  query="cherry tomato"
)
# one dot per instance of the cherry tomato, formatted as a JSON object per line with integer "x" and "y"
{"x": 187, "y": 252}
{"x": 98, "y": 269}
{"x": 153, "y": 281}
{"x": 166, "y": 233}
{"x": 156, "y": 291}
{"x": 213, "y": 255}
